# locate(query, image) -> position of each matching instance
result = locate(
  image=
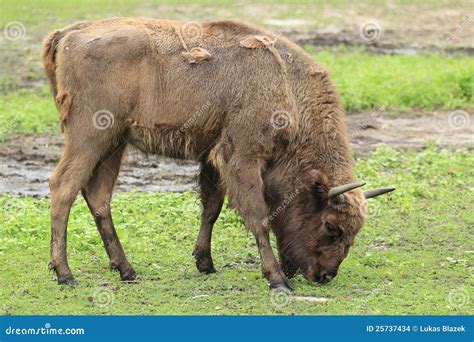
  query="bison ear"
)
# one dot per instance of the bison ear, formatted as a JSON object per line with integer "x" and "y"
{"x": 319, "y": 185}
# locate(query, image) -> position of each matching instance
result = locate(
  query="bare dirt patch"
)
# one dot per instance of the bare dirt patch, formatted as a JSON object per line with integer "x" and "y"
{"x": 26, "y": 161}
{"x": 438, "y": 24}
{"x": 411, "y": 131}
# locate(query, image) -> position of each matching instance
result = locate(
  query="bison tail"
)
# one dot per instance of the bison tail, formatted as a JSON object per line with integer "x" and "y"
{"x": 50, "y": 45}
{"x": 62, "y": 99}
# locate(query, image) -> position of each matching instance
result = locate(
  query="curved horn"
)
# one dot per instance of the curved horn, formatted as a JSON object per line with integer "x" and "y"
{"x": 339, "y": 190}
{"x": 377, "y": 192}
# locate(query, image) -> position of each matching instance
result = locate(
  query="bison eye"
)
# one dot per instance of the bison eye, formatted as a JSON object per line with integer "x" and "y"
{"x": 333, "y": 231}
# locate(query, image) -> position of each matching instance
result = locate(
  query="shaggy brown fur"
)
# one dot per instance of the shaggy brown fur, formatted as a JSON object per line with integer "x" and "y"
{"x": 262, "y": 118}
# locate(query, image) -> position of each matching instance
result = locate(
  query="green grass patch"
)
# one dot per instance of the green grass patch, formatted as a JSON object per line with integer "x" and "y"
{"x": 415, "y": 249}
{"x": 27, "y": 111}
{"x": 402, "y": 83}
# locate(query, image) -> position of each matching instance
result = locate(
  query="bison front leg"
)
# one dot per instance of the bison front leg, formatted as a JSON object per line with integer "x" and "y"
{"x": 98, "y": 195}
{"x": 212, "y": 198}
{"x": 246, "y": 192}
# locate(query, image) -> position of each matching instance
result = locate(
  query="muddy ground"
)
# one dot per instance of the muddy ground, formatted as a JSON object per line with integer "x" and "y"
{"x": 26, "y": 161}
{"x": 403, "y": 24}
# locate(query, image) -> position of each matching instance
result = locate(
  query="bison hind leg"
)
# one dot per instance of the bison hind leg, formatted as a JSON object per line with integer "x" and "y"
{"x": 71, "y": 174}
{"x": 98, "y": 195}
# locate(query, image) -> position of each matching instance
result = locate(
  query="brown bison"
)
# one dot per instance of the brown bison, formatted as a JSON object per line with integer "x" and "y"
{"x": 264, "y": 121}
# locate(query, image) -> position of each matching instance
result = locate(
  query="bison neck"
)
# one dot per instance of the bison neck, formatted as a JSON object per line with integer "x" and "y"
{"x": 320, "y": 141}
{"x": 326, "y": 149}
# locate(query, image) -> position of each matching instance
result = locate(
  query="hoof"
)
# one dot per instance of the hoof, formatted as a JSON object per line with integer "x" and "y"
{"x": 67, "y": 280}
{"x": 204, "y": 264}
{"x": 113, "y": 267}
{"x": 281, "y": 287}
{"x": 128, "y": 275}
{"x": 206, "y": 269}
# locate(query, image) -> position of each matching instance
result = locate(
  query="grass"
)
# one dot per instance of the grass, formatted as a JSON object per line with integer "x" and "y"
{"x": 402, "y": 83}
{"x": 414, "y": 251}
{"x": 398, "y": 83}
{"x": 27, "y": 111}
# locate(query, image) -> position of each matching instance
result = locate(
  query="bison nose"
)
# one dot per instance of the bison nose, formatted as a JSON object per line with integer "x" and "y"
{"x": 325, "y": 277}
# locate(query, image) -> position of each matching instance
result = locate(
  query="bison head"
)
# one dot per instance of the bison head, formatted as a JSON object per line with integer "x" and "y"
{"x": 317, "y": 226}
